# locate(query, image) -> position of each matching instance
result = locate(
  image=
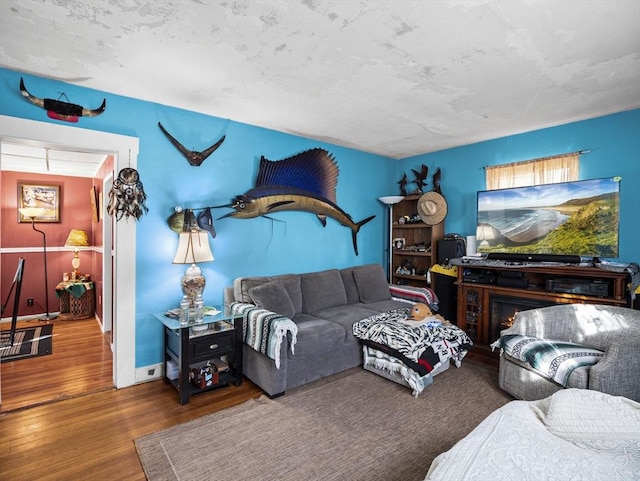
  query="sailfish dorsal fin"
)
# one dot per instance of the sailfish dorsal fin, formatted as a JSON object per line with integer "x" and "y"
{"x": 313, "y": 170}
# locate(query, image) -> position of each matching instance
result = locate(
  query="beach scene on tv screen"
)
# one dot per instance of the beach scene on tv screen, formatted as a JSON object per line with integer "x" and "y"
{"x": 569, "y": 218}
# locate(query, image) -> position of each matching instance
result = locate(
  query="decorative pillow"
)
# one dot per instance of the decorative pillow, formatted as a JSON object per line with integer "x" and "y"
{"x": 241, "y": 286}
{"x": 273, "y": 297}
{"x": 555, "y": 360}
{"x": 585, "y": 416}
{"x": 372, "y": 284}
{"x": 292, "y": 285}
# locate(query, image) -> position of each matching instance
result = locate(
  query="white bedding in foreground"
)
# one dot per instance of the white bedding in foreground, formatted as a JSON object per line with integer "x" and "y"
{"x": 575, "y": 434}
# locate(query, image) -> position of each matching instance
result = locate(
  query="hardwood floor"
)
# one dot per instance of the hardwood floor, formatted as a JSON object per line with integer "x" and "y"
{"x": 74, "y": 436}
{"x": 71, "y": 434}
{"x": 81, "y": 362}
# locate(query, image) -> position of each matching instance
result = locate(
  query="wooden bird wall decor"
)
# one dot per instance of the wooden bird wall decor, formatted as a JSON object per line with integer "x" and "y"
{"x": 193, "y": 157}
{"x": 59, "y": 110}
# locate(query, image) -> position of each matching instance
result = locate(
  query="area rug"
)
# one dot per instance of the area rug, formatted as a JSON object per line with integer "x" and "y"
{"x": 28, "y": 342}
{"x": 354, "y": 425}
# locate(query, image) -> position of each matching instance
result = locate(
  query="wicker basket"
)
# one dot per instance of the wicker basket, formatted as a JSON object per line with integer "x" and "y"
{"x": 72, "y": 307}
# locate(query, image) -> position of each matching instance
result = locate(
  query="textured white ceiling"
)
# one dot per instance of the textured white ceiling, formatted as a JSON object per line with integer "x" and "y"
{"x": 397, "y": 78}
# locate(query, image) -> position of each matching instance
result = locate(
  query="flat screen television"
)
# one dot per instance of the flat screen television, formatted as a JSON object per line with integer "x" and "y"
{"x": 567, "y": 219}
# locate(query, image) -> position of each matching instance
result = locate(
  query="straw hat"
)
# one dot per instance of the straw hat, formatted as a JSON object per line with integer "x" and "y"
{"x": 432, "y": 208}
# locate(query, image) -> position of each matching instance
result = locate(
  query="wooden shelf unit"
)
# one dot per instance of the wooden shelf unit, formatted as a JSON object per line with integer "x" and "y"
{"x": 475, "y": 298}
{"x": 414, "y": 234}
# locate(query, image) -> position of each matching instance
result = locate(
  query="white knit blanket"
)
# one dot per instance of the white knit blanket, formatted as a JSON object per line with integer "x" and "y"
{"x": 575, "y": 434}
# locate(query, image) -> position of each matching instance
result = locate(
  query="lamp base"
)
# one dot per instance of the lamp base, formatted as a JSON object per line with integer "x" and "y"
{"x": 44, "y": 318}
{"x": 193, "y": 283}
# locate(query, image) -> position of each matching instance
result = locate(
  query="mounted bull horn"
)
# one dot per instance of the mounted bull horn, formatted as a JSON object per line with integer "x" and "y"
{"x": 59, "y": 110}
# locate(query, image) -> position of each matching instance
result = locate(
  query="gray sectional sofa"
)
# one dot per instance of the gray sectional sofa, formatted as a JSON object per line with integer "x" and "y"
{"x": 323, "y": 305}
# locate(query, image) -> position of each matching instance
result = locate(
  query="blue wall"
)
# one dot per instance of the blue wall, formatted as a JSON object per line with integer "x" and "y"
{"x": 295, "y": 243}
{"x": 614, "y": 141}
{"x": 298, "y": 242}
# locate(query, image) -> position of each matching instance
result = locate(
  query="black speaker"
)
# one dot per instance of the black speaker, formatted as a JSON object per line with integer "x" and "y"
{"x": 512, "y": 257}
{"x": 450, "y": 249}
{"x": 447, "y": 292}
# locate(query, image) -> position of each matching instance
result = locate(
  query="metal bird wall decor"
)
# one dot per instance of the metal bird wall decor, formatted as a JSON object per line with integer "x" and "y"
{"x": 305, "y": 182}
{"x": 59, "y": 110}
{"x": 436, "y": 181}
{"x": 403, "y": 184}
{"x": 193, "y": 157}
{"x": 419, "y": 178}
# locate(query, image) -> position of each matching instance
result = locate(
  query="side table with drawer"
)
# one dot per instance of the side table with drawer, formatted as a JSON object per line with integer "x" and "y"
{"x": 208, "y": 354}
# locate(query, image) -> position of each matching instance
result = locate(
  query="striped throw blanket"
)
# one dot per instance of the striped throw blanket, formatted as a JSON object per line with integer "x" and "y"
{"x": 414, "y": 294}
{"x": 555, "y": 360}
{"x": 264, "y": 330}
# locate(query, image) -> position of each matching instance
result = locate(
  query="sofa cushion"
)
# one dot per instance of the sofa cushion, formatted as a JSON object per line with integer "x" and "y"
{"x": 274, "y": 297}
{"x": 316, "y": 336}
{"x": 350, "y": 287}
{"x": 321, "y": 290}
{"x": 345, "y": 316}
{"x": 372, "y": 283}
{"x": 384, "y": 306}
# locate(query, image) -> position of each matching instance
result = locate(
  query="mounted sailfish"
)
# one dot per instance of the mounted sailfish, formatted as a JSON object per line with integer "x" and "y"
{"x": 305, "y": 182}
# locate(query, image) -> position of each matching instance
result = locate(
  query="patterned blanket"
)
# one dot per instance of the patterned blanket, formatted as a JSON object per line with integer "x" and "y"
{"x": 264, "y": 330}
{"x": 422, "y": 348}
{"x": 397, "y": 370}
{"x": 555, "y": 360}
{"x": 414, "y": 294}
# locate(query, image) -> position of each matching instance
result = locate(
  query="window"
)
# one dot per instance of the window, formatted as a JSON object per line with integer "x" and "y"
{"x": 547, "y": 170}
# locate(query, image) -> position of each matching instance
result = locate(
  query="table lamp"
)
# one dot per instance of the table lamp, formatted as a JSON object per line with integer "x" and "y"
{"x": 193, "y": 247}
{"x": 485, "y": 233}
{"x": 76, "y": 238}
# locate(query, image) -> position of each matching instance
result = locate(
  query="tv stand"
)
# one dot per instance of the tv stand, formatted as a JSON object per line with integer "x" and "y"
{"x": 491, "y": 292}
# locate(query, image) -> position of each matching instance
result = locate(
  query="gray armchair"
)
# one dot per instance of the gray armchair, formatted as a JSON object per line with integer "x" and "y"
{"x": 613, "y": 330}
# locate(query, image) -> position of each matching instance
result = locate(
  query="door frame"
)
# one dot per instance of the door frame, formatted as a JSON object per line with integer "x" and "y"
{"x": 107, "y": 263}
{"x": 125, "y": 152}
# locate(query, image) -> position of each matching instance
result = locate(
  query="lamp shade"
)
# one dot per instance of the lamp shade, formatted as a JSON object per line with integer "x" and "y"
{"x": 77, "y": 238}
{"x": 193, "y": 247}
{"x": 32, "y": 212}
{"x": 390, "y": 199}
{"x": 485, "y": 232}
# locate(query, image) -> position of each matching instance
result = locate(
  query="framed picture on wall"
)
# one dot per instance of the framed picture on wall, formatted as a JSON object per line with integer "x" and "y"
{"x": 93, "y": 197}
{"x": 42, "y": 196}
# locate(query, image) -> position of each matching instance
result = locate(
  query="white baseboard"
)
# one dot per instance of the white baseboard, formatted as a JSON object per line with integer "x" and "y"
{"x": 29, "y": 317}
{"x": 149, "y": 373}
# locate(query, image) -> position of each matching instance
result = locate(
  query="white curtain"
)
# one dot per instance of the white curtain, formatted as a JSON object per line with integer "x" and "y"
{"x": 547, "y": 170}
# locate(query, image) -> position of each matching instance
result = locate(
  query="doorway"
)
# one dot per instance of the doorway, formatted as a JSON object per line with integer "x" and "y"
{"x": 121, "y": 261}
